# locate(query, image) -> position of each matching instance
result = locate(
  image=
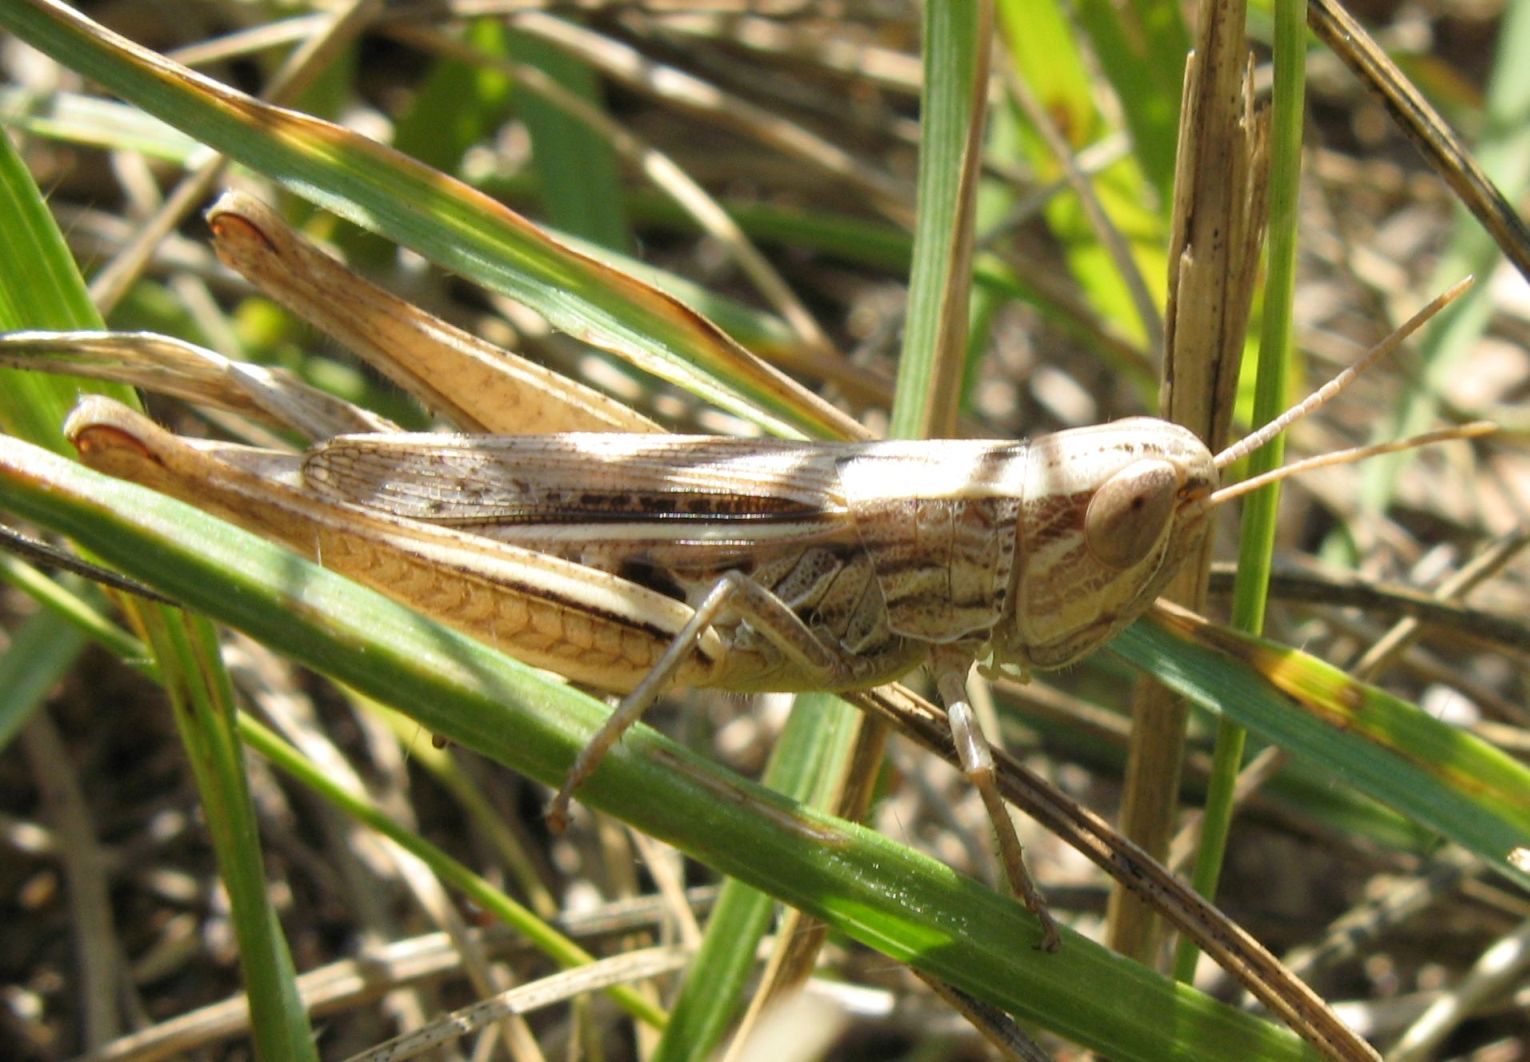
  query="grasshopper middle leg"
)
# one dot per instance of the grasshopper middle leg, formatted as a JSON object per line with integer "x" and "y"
{"x": 976, "y": 758}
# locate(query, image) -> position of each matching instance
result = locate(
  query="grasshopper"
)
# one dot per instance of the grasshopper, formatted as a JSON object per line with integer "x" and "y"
{"x": 633, "y": 561}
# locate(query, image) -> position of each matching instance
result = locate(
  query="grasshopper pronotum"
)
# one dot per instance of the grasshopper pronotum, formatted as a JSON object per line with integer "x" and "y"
{"x": 632, "y": 562}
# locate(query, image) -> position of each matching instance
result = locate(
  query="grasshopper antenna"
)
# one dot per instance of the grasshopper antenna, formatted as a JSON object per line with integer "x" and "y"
{"x": 1472, "y": 430}
{"x": 1254, "y": 440}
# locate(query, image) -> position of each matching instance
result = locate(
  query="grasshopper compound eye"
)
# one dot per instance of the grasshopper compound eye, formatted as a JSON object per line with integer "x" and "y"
{"x": 1130, "y": 512}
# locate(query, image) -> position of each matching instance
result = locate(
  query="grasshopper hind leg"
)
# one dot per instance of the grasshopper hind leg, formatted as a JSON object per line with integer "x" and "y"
{"x": 976, "y": 758}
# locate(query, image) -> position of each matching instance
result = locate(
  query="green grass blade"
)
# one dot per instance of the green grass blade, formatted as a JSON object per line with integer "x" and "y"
{"x": 459, "y": 104}
{"x": 87, "y": 120}
{"x": 581, "y": 186}
{"x": 40, "y": 287}
{"x": 555, "y": 945}
{"x": 950, "y": 145}
{"x": 1142, "y": 48}
{"x": 816, "y": 738}
{"x": 84, "y": 611}
{"x": 1046, "y": 55}
{"x": 1439, "y": 777}
{"x": 202, "y": 698}
{"x": 41, "y": 651}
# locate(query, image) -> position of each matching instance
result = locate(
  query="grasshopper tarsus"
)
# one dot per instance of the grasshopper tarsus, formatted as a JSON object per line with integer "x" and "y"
{"x": 1012, "y": 854}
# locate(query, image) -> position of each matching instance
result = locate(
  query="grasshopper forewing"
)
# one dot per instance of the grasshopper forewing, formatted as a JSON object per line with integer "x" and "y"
{"x": 636, "y": 562}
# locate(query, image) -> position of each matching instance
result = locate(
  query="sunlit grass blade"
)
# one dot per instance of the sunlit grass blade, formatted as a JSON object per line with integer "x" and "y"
{"x": 77, "y": 119}
{"x": 1142, "y": 48}
{"x": 1046, "y": 55}
{"x": 1438, "y": 776}
{"x": 940, "y": 279}
{"x": 815, "y": 739}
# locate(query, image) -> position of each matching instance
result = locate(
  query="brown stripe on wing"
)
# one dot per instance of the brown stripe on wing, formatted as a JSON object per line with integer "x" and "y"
{"x": 578, "y": 478}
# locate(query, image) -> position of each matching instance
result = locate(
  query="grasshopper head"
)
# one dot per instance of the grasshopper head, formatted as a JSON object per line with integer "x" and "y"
{"x": 1109, "y": 513}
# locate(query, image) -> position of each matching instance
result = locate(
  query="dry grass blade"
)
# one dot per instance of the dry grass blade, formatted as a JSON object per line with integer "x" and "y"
{"x": 1219, "y": 218}
{"x": 1433, "y": 137}
{"x": 330, "y": 37}
{"x": 1150, "y": 884}
{"x": 693, "y": 94}
{"x": 556, "y": 988}
{"x": 664, "y": 173}
{"x": 1349, "y": 591}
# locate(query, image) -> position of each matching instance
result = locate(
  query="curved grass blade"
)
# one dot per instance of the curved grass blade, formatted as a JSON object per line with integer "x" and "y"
{"x": 88, "y": 120}
{"x": 1434, "y": 774}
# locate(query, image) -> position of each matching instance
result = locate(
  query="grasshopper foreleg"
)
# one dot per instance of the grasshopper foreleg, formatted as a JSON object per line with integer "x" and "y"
{"x": 976, "y": 758}
{"x": 735, "y": 594}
